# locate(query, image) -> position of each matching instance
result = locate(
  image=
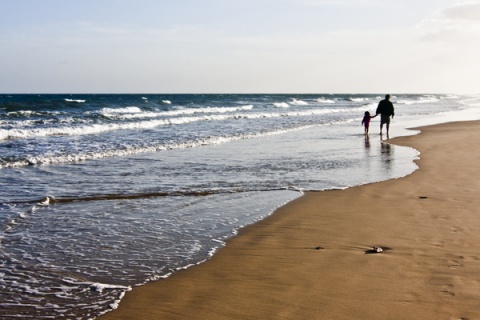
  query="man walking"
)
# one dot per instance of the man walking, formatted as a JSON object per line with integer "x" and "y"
{"x": 385, "y": 109}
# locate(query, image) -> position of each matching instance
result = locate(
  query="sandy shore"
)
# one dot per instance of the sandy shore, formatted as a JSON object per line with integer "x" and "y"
{"x": 308, "y": 260}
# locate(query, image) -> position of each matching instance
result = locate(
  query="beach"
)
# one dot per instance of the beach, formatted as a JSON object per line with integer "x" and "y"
{"x": 312, "y": 258}
{"x": 104, "y": 193}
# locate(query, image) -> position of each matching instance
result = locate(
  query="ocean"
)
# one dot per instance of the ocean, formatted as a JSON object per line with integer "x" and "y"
{"x": 104, "y": 192}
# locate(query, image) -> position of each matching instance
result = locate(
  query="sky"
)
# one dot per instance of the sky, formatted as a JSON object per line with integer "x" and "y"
{"x": 240, "y": 46}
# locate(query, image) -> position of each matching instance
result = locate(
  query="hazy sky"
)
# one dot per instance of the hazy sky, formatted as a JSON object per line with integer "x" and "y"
{"x": 239, "y": 46}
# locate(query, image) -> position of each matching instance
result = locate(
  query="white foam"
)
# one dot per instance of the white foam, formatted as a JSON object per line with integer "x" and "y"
{"x": 325, "y": 101}
{"x": 422, "y": 100}
{"x": 25, "y": 113}
{"x": 46, "y": 201}
{"x": 222, "y": 243}
{"x": 94, "y": 129}
{"x": 296, "y": 102}
{"x": 114, "y": 305}
{"x": 138, "y": 114}
{"x": 451, "y": 97}
{"x": 174, "y": 118}
{"x": 120, "y": 110}
{"x": 42, "y": 160}
{"x": 187, "y": 266}
{"x": 73, "y": 100}
{"x": 167, "y": 101}
{"x": 428, "y": 99}
{"x": 358, "y": 99}
{"x": 281, "y": 105}
{"x": 100, "y": 128}
{"x": 99, "y": 287}
{"x": 85, "y": 129}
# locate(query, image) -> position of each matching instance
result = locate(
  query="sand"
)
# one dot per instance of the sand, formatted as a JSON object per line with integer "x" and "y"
{"x": 308, "y": 260}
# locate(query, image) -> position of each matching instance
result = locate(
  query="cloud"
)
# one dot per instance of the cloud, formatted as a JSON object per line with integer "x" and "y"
{"x": 466, "y": 12}
{"x": 458, "y": 23}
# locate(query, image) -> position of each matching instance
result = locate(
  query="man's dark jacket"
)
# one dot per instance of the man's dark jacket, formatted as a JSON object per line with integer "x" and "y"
{"x": 385, "y": 107}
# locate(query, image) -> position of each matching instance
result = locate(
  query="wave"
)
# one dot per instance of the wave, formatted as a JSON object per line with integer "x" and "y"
{"x": 31, "y": 113}
{"x": 120, "y": 110}
{"x": 281, "y": 105}
{"x": 421, "y": 100}
{"x": 132, "y": 150}
{"x": 296, "y": 102}
{"x": 137, "y": 113}
{"x": 84, "y": 156}
{"x": 358, "y": 99}
{"x": 370, "y": 105}
{"x": 73, "y": 100}
{"x": 6, "y": 134}
{"x": 22, "y": 113}
{"x": 292, "y": 101}
{"x": 88, "y": 129}
{"x": 450, "y": 97}
{"x": 325, "y": 101}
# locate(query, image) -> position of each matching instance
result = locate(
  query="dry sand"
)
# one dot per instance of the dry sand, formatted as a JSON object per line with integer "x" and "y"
{"x": 429, "y": 220}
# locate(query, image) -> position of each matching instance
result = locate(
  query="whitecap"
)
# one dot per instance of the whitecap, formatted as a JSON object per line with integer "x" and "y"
{"x": 281, "y": 105}
{"x": 75, "y": 100}
{"x": 421, "y": 100}
{"x": 325, "y": 101}
{"x": 177, "y": 112}
{"x": 298, "y": 102}
{"x": 46, "y": 201}
{"x": 451, "y": 97}
{"x": 132, "y": 109}
{"x": 358, "y": 99}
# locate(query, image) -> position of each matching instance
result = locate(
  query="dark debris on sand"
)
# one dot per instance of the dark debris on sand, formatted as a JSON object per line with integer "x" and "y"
{"x": 377, "y": 249}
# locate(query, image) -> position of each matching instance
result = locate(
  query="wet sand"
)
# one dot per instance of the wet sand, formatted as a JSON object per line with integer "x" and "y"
{"x": 311, "y": 259}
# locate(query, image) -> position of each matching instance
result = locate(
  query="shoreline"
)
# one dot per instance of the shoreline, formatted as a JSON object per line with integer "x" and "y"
{"x": 307, "y": 259}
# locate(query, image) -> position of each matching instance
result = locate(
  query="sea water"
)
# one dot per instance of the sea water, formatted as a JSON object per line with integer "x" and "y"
{"x": 100, "y": 193}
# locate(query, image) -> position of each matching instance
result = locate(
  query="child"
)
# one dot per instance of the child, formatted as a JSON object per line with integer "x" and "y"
{"x": 366, "y": 121}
